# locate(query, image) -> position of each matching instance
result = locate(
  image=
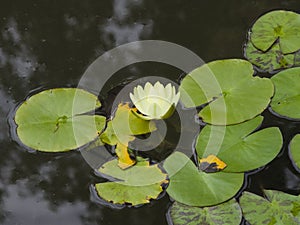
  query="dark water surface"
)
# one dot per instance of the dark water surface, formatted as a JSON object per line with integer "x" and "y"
{"x": 47, "y": 43}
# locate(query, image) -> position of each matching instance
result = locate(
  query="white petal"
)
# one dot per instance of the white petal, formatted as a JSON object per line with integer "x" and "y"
{"x": 148, "y": 87}
{"x": 133, "y": 98}
{"x": 140, "y": 92}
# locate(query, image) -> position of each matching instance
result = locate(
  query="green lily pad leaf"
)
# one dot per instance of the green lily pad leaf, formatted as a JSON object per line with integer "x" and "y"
{"x": 227, "y": 213}
{"x": 238, "y": 147}
{"x": 269, "y": 61}
{"x": 286, "y": 100}
{"x": 53, "y": 120}
{"x": 280, "y": 25}
{"x": 155, "y": 101}
{"x": 121, "y": 130}
{"x": 233, "y": 94}
{"x": 136, "y": 185}
{"x": 277, "y": 208}
{"x": 124, "y": 125}
{"x": 295, "y": 150}
{"x": 192, "y": 187}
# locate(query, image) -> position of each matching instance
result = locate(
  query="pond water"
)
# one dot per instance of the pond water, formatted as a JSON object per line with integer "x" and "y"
{"x": 47, "y": 44}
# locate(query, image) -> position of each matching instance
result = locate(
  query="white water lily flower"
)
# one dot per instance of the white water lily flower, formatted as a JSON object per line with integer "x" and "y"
{"x": 155, "y": 102}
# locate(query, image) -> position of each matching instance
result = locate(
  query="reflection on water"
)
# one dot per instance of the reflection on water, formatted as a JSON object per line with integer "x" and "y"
{"x": 122, "y": 32}
{"x": 22, "y": 61}
{"x": 45, "y": 44}
{"x": 6, "y": 104}
{"x": 21, "y": 208}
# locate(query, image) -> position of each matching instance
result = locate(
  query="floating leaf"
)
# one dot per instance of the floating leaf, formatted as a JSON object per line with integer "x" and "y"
{"x": 124, "y": 158}
{"x": 295, "y": 150}
{"x": 53, "y": 120}
{"x": 269, "y": 61}
{"x": 121, "y": 130}
{"x": 124, "y": 125}
{"x": 155, "y": 101}
{"x": 236, "y": 145}
{"x": 211, "y": 164}
{"x": 276, "y": 208}
{"x": 192, "y": 187}
{"x": 280, "y": 25}
{"x": 227, "y": 213}
{"x": 233, "y": 94}
{"x": 274, "y": 41}
{"x": 135, "y": 185}
{"x": 286, "y": 100}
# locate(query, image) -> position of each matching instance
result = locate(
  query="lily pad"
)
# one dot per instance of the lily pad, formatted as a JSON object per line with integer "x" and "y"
{"x": 277, "y": 208}
{"x": 282, "y": 26}
{"x": 121, "y": 130}
{"x": 233, "y": 94}
{"x": 124, "y": 125}
{"x": 295, "y": 150}
{"x": 53, "y": 120}
{"x": 136, "y": 185}
{"x": 191, "y": 186}
{"x": 286, "y": 100}
{"x": 227, "y": 213}
{"x": 238, "y": 146}
{"x": 271, "y": 60}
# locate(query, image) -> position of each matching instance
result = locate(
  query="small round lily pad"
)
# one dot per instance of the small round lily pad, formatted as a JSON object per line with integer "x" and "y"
{"x": 279, "y": 25}
{"x": 54, "y": 121}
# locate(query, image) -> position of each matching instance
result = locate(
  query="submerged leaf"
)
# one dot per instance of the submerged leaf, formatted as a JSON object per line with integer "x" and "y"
{"x": 229, "y": 87}
{"x": 280, "y": 25}
{"x": 192, "y": 187}
{"x": 277, "y": 208}
{"x": 295, "y": 150}
{"x": 238, "y": 146}
{"x": 135, "y": 185}
{"x": 53, "y": 120}
{"x": 286, "y": 100}
{"x": 227, "y": 213}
